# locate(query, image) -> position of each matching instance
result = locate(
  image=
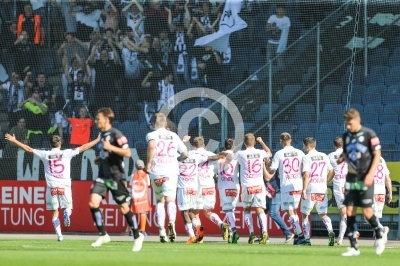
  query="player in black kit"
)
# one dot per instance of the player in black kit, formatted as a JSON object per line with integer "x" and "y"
{"x": 362, "y": 152}
{"x": 113, "y": 147}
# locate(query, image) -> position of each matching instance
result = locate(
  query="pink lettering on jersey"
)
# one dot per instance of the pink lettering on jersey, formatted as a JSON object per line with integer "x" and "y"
{"x": 338, "y": 177}
{"x": 317, "y": 180}
{"x": 254, "y": 190}
{"x": 318, "y": 197}
{"x": 292, "y": 176}
{"x": 231, "y": 192}
{"x": 187, "y": 179}
{"x": 122, "y": 140}
{"x": 227, "y": 178}
{"x": 207, "y": 191}
{"x": 375, "y": 141}
{"x": 379, "y": 198}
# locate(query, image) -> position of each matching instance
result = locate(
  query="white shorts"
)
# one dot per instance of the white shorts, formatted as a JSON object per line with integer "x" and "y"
{"x": 229, "y": 197}
{"x": 164, "y": 186}
{"x": 379, "y": 203}
{"x": 205, "y": 198}
{"x": 186, "y": 198}
{"x": 58, "y": 198}
{"x": 320, "y": 201}
{"x": 339, "y": 197}
{"x": 290, "y": 200}
{"x": 254, "y": 196}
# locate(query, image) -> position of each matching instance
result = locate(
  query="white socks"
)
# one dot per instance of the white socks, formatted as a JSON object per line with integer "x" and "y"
{"x": 160, "y": 213}
{"x": 294, "y": 221}
{"x": 231, "y": 220}
{"x": 249, "y": 222}
{"x": 379, "y": 224}
{"x": 171, "y": 209}
{"x": 343, "y": 227}
{"x": 56, "y": 224}
{"x": 196, "y": 222}
{"x": 262, "y": 218}
{"x": 189, "y": 229}
{"x": 328, "y": 223}
{"x": 306, "y": 228}
{"x": 215, "y": 219}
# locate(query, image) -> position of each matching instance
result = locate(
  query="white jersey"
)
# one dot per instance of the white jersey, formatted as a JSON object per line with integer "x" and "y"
{"x": 288, "y": 161}
{"x": 317, "y": 165}
{"x": 57, "y": 166}
{"x": 340, "y": 170}
{"x": 206, "y": 170}
{"x": 228, "y": 176}
{"x": 251, "y": 166}
{"x": 380, "y": 176}
{"x": 168, "y": 145}
{"x": 189, "y": 170}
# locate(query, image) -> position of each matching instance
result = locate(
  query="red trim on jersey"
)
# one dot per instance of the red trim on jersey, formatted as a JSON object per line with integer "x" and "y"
{"x": 375, "y": 141}
{"x": 122, "y": 140}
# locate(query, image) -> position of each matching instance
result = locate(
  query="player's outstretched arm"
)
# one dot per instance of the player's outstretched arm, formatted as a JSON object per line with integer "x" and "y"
{"x": 306, "y": 180}
{"x": 265, "y": 147}
{"x": 268, "y": 174}
{"x": 331, "y": 174}
{"x": 389, "y": 188}
{"x": 183, "y": 156}
{"x": 12, "y": 139}
{"x": 87, "y": 146}
{"x": 151, "y": 151}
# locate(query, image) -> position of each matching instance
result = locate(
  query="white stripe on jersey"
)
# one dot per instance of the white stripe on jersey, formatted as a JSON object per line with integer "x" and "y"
{"x": 57, "y": 166}
{"x": 228, "y": 174}
{"x": 288, "y": 162}
{"x": 380, "y": 176}
{"x": 189, "y": 171}
{"x": 168, "y": 145}
{"x": 317, "y": 165}
{"x": 251, "y": 166}
{"x": 341, "y": 170}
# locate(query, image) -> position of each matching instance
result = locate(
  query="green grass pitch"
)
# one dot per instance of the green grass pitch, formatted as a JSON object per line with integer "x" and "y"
{"x": 74, "y": 253}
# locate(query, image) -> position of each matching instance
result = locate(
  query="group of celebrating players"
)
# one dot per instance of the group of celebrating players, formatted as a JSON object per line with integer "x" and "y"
{"x": 185, "y": 174}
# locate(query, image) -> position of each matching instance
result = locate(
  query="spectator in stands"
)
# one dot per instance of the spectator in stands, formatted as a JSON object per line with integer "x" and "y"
{"x": 24, "y": 54}
{"x": 156, "y": 57}
{"x": 70, "y": 21}
{"x": 109, "y": 42}
{"x": 31, "y": 24}
{"x": 34, "y": 111}
{"x": 111, "y": 14}
{"x": 166, "y": 90}
{"x": 7, "y": 20}
{"x": 88, "y": 20}
{"x": 206, "y": 24}
{"x": 14, "y": 96}
{"x": 181, "y": 13}
{"x": 60, "y": 123}
{"x": 148, "y": 90}
{"x": 278, "y": 26}
{"x": 78, "y": 91}
{"x": 70, "y": 75}
{"x": 70, "y": 48}
{"x": 134, "y": 18}
{"x": 106, "y": 70}
{"x": 209, "y": 65}
{"x": 40, "y": 86}
{"x": 156, "y": 19}
{"x": 81, "y": 128}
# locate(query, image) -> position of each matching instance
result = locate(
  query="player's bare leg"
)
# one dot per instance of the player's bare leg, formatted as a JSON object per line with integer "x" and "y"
{"x": 197, "y": 225}
{"x": 306, "y": 230}
{"x": 56, "y": 223}
{"x": 189, "y": 226}
{"x": 248, "y": 219}
{"x": 171, "y": 211}
{"x": 343, "y": 226}
{"x": 160, "y": 216}
{"x": 132, "y": 222}
{"x": 294, "y": 221}
{"x": 233, "y": 235}
{"x": 94, "y": 204}
{"x": 262, "y": 219}
{"x": 217, "y": 221}
{"x": 328, "y": 225}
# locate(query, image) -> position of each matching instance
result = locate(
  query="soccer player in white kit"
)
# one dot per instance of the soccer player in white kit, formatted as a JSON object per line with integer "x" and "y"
{"x": 315, "y": 168}
{"x": 288, "y": 162}
{"x": 251, "y": 163}
{"x": 381, "y": 177}
{"x": 206, "y": 194}
{"x": 57, "y": 168}
{"x": 162, "y": 164}
{"x": 339, "y": 180}
{"x": 187, "y": 190}
{"x": 229, "y": 188}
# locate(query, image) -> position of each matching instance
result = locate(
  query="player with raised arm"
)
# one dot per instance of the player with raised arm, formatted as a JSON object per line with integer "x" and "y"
{"x": 381, "y": 177}
{"x": 339, "y": 179}
{"x": 362, "y": 152}
{"x": 162, "y": 164}
{"x": 187, "y": 189}
{"x": 113, "y": 148}
{"x": 229, "y": 189}
{"x": 315, "y": 168}
{"x": 206, "y": 195}
{"x": 253, "y": 195}
{"x": 288, "y": 161}
{"x": 57, "y": 168}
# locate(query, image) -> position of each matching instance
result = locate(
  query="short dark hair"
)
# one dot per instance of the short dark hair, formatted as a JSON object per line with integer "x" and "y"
{"x": 107, "y": 112}
{"x": 285, "y": 136}
{"x": 338, "y": 142}
{"x": 351, "y": 114}
{"x": 110, "y": 29}
{"x": 280, "y": 6}
{"x": 229, "y": 143}
{"x": 80, "y": 72}
{"x": 310, "y": 141}
{"x": 55, "y": 141}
